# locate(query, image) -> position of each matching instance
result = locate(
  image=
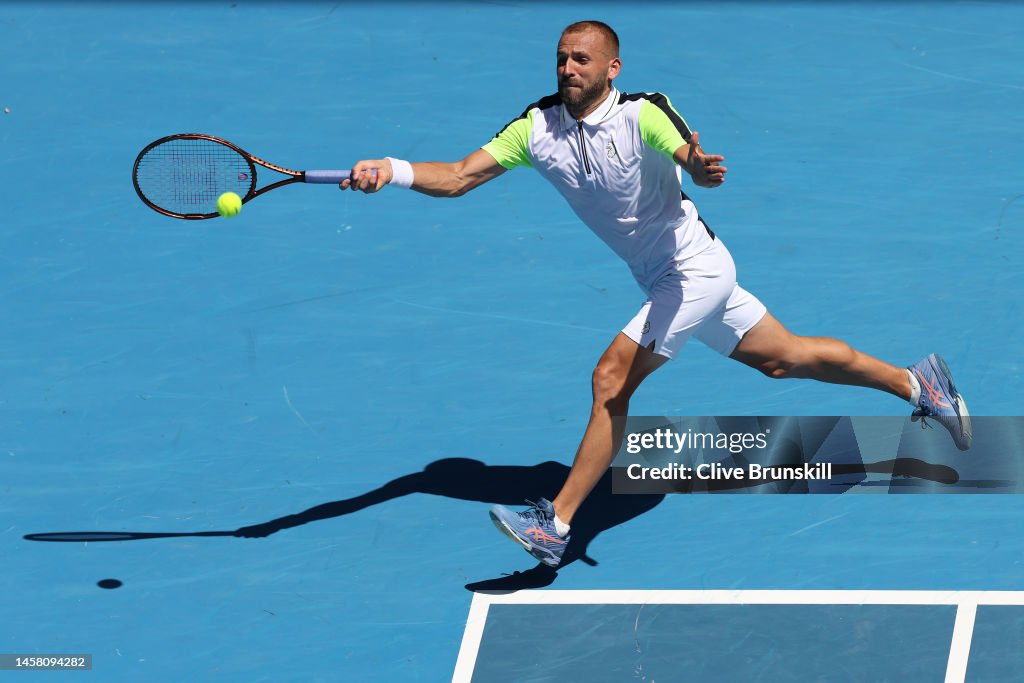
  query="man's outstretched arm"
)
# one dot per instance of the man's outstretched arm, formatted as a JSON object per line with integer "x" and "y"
{"x": 434, "y": 178}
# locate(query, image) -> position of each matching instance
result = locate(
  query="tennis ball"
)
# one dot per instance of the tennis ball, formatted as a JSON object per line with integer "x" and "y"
{"x": 229, "y": 204}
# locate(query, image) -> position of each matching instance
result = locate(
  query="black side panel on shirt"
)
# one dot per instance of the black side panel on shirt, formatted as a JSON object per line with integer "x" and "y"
{"x": 711, "y": 233}
{"x": 661, "y": 102}
{"x": 542, "y": 103}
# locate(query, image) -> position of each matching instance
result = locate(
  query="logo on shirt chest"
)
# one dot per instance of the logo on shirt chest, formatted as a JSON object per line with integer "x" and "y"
{"x": 610, "y": 150}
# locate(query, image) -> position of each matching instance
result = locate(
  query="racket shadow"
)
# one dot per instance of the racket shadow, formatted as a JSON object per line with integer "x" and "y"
{"x": 106, "y": 536}
{"x": 459, "y": 478}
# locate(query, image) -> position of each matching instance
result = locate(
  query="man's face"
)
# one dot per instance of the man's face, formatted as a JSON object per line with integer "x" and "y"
{"x": 586, "y": 63}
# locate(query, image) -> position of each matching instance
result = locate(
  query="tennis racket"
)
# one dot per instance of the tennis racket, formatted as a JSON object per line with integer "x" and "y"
{"x": 182, "y": 175}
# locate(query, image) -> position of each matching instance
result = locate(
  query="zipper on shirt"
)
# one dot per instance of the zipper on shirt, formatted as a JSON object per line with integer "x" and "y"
{"x": 583, "y": 148}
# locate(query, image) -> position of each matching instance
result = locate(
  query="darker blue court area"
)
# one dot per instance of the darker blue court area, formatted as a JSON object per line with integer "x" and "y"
{"x": 729, "y": 643}
{"x": 281, "y": 433}
{"x": 996, "y": 653}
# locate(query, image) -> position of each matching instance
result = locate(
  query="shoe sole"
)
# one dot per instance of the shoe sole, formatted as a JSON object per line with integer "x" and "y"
{"x": 504, "y": 528}
{"x": 966, "y": 434}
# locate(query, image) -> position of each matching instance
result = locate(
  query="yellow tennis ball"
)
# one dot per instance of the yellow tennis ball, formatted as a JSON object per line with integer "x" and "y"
{"x": 229, "y": 204}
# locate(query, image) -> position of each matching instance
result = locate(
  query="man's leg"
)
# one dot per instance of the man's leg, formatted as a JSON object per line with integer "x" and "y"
{"x": 777, "y": 352}
{"x": 623, "y": 366}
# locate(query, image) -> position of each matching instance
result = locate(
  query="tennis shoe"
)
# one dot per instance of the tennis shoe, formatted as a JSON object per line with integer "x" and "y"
{"x": 533, "y": 529}
{"x": 940, "y": 400}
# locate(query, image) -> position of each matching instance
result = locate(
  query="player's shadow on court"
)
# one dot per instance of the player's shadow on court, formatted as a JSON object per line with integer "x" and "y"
{"x": 511, "y": 485}
{"x": 467, "y": 479}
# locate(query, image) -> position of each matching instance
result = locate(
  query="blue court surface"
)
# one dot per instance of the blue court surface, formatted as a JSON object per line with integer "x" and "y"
{"x": 282, "y": 432}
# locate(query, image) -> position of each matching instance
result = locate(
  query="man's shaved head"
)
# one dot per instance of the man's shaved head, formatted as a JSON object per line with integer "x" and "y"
{"x": 611, "y": 38}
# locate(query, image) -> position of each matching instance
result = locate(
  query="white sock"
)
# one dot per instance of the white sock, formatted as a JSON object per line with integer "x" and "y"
{"x": 915, "y": 389}
{"x": 561, "y": 527}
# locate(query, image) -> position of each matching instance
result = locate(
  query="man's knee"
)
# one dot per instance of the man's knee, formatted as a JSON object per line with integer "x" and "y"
{"x": 608, "y": 382}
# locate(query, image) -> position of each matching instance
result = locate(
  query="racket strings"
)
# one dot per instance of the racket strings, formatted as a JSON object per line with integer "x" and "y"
{"x": 185, "y": 176}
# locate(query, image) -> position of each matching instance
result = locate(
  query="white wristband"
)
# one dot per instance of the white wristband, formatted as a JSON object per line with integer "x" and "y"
{"x": 401, "y": 173}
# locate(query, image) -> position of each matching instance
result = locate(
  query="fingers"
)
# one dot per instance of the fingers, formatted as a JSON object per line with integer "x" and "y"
{"x": 372, "y": 177}
{"x": 715, "y": 179}
{"x": 368, "y": 176}
{"x": 364, "y": 179}
{"x": 713, "y": 175}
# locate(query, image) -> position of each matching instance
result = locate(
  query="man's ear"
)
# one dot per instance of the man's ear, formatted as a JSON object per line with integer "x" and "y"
{"x": 614, "y": 68}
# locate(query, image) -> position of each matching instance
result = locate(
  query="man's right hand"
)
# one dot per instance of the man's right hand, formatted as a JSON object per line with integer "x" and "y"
{"x": 369, "y": 176}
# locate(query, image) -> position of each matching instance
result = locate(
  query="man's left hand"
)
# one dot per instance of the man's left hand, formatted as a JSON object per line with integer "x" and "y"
{"x": 705, "y": 169}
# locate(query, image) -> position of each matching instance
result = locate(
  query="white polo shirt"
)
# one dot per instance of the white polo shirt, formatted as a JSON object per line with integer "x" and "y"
{"x": 615, "y": 168}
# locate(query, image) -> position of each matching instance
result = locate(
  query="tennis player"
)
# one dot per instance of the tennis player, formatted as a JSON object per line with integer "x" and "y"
{"x": 617, "y": 160}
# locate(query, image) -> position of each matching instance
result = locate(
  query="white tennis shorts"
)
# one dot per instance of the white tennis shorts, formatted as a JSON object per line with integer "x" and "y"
{"x": 700, "y": 298}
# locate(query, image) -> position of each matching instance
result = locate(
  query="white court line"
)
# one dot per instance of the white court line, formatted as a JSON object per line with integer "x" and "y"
{"x": 754, "y": 597}
{"x": 956, "y": 669}
{"x": 471, "y": 639}
{"x": 960, "y": 648}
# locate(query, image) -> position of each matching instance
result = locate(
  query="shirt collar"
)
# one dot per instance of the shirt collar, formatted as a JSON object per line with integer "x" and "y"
{"x": 596, "y": 116}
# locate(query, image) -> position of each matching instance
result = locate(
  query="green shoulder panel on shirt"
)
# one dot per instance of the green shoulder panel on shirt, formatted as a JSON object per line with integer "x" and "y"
{"x": 657, "y": 127}
{"x": 510, "y": 147}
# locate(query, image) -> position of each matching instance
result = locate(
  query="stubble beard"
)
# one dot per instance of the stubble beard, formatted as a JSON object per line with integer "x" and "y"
{"x": 578, "y": 100}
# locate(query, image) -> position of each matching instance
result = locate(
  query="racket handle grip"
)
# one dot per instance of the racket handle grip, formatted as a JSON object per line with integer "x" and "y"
{"x": 327, "y": 177}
